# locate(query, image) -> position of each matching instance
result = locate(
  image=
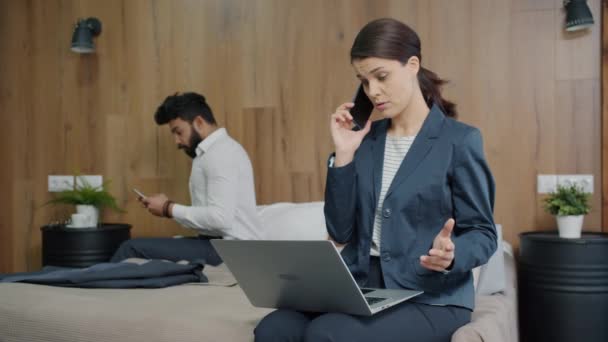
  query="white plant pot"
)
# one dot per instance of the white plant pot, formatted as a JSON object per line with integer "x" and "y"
{"x": 570, "y": 227}
{"x": 91, "y": 211}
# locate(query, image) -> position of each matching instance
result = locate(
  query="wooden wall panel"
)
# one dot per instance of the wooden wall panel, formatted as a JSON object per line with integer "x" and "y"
{"x": 273, "y": 71}
{"x": 535, "y": 5}
{"x": 577, "y": 55}
{"x": 532, "y": 107}
{"x": 604, "y": 100}
{"x": 8, "y": 104}
{"x": 577, "y": 138}
{"x": 491, "y": 108}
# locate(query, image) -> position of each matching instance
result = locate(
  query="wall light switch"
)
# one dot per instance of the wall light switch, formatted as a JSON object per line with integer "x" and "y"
{"x": 58, "y": 183}
{"x": 546, "y": 184}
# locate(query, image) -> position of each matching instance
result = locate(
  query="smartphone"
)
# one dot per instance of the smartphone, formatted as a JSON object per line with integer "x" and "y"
{"x": 139, "y": 193}
{"x": 362, "y": 110}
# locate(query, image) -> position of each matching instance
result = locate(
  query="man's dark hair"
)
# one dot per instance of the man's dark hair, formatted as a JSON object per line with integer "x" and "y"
{"x": 186, "y": 106}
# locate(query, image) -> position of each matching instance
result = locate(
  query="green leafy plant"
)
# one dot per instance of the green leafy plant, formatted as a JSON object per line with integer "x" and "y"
{"x": 568, "y": 200}
{"x": 87, "y": 194}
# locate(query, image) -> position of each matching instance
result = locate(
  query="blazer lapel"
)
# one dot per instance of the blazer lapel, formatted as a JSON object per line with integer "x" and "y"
{"x": 420, "y": 148}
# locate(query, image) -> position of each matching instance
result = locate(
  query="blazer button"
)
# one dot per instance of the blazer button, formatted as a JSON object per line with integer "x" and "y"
{"x": 386, "y": 256}
{"x": 387, "y": 213}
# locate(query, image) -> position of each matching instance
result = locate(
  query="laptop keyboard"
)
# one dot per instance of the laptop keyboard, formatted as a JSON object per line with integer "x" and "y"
{"x": 373, "y": 300}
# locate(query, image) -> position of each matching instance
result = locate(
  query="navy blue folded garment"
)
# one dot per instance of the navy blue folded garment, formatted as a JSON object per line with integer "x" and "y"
{"x": 149, "y": 274}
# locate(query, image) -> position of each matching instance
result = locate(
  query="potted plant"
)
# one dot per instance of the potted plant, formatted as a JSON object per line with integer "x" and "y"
{"x": 569, "y": 204}
{"x": 88, "y": 200}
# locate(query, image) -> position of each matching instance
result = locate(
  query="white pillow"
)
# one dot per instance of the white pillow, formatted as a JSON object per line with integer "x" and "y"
{"x": 293, "y": 221}
{"x": 492, "y": 275}
{"x": 476, "y": 272}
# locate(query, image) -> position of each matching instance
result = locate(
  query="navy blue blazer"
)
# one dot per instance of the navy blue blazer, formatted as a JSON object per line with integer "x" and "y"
{"x": 444, "y": 175}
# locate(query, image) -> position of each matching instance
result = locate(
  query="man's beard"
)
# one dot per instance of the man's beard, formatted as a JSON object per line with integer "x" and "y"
{"x": 195, "y": 139}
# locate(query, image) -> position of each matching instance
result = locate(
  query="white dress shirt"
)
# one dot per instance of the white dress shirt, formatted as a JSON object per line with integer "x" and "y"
{"x": 222, "y": 191}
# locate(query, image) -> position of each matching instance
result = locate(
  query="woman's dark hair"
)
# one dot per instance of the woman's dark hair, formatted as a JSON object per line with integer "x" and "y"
{"x": 391, "y": 39}
{"x": 186, "y": 106}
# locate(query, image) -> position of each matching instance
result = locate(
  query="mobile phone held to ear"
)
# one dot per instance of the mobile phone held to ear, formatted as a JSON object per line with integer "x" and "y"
{"x": 139, "y": 193}
{"x": 362, "y": 110}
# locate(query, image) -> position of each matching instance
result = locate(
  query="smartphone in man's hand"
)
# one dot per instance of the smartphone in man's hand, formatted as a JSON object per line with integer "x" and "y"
{"x": 362, "y": 110}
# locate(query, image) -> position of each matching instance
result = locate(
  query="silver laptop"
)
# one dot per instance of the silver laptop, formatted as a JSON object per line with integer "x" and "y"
{"x": 302, "y": 275}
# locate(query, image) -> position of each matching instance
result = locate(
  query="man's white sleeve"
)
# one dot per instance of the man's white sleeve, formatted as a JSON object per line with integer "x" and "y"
{"x": 222, "y": 192}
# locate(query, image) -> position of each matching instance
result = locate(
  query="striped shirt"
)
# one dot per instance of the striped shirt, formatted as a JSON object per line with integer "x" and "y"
{"x": 395, "y": 150}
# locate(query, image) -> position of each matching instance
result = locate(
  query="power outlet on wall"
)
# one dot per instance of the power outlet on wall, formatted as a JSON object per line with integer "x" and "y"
{"x": 582, "y": 181}
{"x": 93, "y": 180}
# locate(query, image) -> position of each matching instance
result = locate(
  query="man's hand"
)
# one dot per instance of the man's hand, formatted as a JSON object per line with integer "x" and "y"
{"x": 155, "y": 203}
{"x": 441, "y": 256}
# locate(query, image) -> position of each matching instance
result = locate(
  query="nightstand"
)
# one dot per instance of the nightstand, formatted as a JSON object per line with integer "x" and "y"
{"x": 82, "y": 247}
{"x": 563, "y": 287}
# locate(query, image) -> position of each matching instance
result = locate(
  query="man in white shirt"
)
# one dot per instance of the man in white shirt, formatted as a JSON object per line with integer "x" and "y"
{"x": 221, "y": 187}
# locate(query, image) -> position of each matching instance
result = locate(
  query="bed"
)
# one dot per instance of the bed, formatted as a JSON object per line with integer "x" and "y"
{"x": 217, "y": 311}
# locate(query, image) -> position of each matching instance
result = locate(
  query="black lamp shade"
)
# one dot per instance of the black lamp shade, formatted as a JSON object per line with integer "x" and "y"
{"x": 578, "y": 15}
{"x": 82, "y": 38}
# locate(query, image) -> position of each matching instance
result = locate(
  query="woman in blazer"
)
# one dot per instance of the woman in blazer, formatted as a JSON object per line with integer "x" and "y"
{"x": 410, "y": 195}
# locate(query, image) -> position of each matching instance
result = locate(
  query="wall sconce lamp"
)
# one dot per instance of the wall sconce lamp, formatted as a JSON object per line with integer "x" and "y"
{"x": 578, "y": 15}
{"x": 84, "y": 31}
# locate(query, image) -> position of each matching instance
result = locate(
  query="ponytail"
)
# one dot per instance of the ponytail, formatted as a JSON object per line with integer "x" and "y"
{"x": 430, "y": 85}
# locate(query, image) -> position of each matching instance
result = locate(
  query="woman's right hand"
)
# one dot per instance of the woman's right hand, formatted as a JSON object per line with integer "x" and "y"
{"x": 345, "y": 139}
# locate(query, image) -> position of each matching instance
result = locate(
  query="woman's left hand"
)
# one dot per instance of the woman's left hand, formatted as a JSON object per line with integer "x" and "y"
{"x": 441, "y": 256}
